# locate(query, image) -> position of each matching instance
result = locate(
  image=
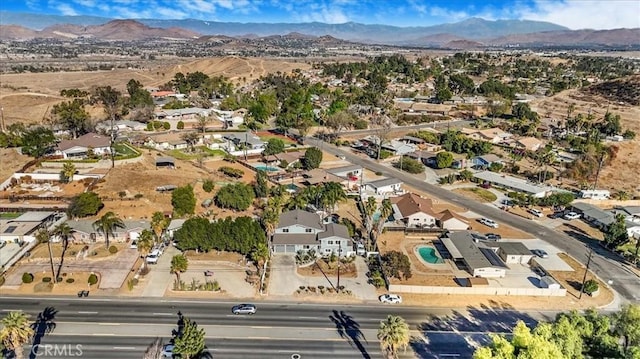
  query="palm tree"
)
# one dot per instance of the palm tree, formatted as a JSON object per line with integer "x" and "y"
{"x": 43, "y": 236}
{"x": 179, "y": 264}
{"x": 107, "y": 224}
{"x": 332, "y": 193}
{"x": 259, "y": 255}
{"x": 68, "y": 170}
{"x": 369, "y": 208}
{"x": 269, "y": 219}
{"x": 145, "y": 243}
{"x": 385, "y": 211}
{"x": 159, "y": 224}
{"x": 393, "y": 334}
{"x": 16, "y": 331}
{"x": 63, "y": 232}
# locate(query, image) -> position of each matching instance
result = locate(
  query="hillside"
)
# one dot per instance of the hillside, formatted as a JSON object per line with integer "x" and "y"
{"x": 625, "y": 90}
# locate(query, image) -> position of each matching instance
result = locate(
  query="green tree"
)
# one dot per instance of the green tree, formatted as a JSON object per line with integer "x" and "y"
{"x": 72, "y": 116}
{"x": 627, "y": 325}
{"x": 331, "y": 194}
{"x": 394, "y": 333}
{"x": 107, "y": 224}
{"x": 145, "y": 243}
{"x": 138, "y": 96}
{"x": 616, "y": 233}
{"x": 16, "y": 332}
{"x": 179, "y": 264}
{"x": 189, "y": 339}
{"x": 396, "y": 264}
{"x": 261, "y": 186}
{"x": 208, "y": 185}
{"x": 312, "y": 158}
{"x": 68, "y": 171}
{"x": 38, "y": 141}
{"x": 183, "y": 201}
{"x": 85, "y": 204}
{"x": 159, "y": 224}
{"x": 410, "y": 165}
{"x": 191, "y": 138}
{"x": 111, "y": 100}
{"x": 386, "y": 209}
{"x": 444, "y": 159}
{"x": 273, "y": 147}
{"x": 238, "y": 196}
{"x": 43, "y": 236}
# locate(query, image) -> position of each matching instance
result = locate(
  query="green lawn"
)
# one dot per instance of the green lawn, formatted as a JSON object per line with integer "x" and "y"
{"x": 286, "y": 140}
{"x": 482, "y": 193}
{"x": 124, "y": 151}
{"x": 10, "y": 215}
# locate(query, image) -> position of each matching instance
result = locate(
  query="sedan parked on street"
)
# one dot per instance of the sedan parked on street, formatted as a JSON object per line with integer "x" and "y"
{"x": 391, "y": 298}
{"x": 489, "y": 222}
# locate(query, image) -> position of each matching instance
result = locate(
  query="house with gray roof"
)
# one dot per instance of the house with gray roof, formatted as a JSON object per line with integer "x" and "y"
{"x": 596, "y": 216}
{"x": 245, "y": 139}
{"x": 384, "y": 186}
{"x": 79, "y": 147}
{"x": 300, "y": 230}
{"x": 82, "y": 231}
{"x": 479, "y": 260}
{"x": 515, "y": 184}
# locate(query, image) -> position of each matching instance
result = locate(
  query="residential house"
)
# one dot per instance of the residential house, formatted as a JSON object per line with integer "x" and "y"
{"x": 188, "y": 113}
{"x": 478, "y": 259}
{"x": 290, "y": 158}
{"x": 123, "y": 125}
{"x": 81, "y": 146}
{"x": 413, "y": 140}
{"x": 528, "y": 143}
{"x": 24, "y": 227}
{"x": 596, "y": 216}
{"x": 398, "y": 148}
{"x": 353, "y": 171}
{"x": 245, "y": 139}
{"x": 84, "y": 232}
{"x": 514, "y": 252}
{"x": 485, "y": 161}
{"x": 385, "y": 186}
{"x": 414, "y": 211}
{"x": 514, "y": 184}
{"x": 452, "y": 221}
{"x": 173, "y": 226}
{"x": 177, "y": 145}
{"x": 493, "y": 135}
{"x": 300, "y": 230}
{"x": 318, "y": 176}
{"x": 595, "y": 194}
{"x": 427, "y": 158}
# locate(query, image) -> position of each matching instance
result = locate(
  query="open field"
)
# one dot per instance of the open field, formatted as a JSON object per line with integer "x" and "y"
{"x": 10, "y": 162}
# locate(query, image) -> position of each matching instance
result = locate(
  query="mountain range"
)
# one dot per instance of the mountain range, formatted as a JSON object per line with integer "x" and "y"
{"x": 470, "y": 33}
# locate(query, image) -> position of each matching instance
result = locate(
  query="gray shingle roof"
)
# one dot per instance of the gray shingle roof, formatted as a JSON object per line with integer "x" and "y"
{"x": 514, "y": 248}
{"x": 295, "y": 238}
{"x": 384, "y": 182}
{"x": 300, "y": 217}
{"x": 462, "y": 246}
{"x": 334, "y": 229}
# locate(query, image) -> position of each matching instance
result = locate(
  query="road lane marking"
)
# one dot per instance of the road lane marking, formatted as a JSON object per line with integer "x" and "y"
{"x": 87, "y": 312}
{"x": 164, "y": 314}
{"x": 124, "y": 348}
{"x": 261, "y": 327}
{"x": 114, "y": 324}
{"x": 95, "y": 334}
{"x": 310, "y": 318}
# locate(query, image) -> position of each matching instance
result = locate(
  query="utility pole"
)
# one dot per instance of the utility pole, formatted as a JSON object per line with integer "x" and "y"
{"x": 246, "y": 138}
{"x": 584, "y": 279}
{"x": 339, "y": 254}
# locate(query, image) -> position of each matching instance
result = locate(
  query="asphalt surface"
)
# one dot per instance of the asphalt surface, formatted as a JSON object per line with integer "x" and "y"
{"x": 440, "y": 124}
{"x": 604, "y": 263}
{"x": 123, "y": 328}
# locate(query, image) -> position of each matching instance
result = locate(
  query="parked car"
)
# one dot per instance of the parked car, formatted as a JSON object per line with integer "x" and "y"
{"x": 342, "y": 157}
{"x": 539, "y": 271}
{"x": 493, "y": 237}
{"x": 535, "y": 212}
{"x": 244, "y": 309}
{"x": 152, "y": 258}
{"x": 390, "y": 298}
{"x": 571, "y": 216}
{"x": 167, "y": 351}
{"x": 489, "y": 222}
{"x": 540, "y": 253}
{"x": 134, "y": 245}
{"x": 485, "y": 185}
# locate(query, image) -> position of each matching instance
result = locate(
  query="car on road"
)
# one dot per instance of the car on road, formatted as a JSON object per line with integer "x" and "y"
{"x": 571, "y": 216}
{"x": 488, "y": 222}
{"x": 342, "y": 157}
{"x": 535, "y": 212}
{"x": 539, "y": 271}
{"x": 167, "y": 351}
{"x": 493, "y": 237}
{"x": 390, "y": 298}
{"x": 153, "y": 257}
{"x": 244, "y": 309}
{"x": 540, "y": 253}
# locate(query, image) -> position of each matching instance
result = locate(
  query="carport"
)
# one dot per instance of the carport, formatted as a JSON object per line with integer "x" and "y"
{"x": 168, "y": 162}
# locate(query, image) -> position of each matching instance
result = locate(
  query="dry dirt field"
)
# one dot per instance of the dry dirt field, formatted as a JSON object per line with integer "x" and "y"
{"x": 11, "y": 161}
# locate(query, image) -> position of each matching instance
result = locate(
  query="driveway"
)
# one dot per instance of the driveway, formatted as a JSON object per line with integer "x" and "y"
{"x": 285, "y": 280}
{"x": 160, "y": 277}
{"x": 230, "y": 276}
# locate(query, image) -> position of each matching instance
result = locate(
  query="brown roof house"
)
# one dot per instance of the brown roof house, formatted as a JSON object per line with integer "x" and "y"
{"x": 414, "y": 211}
{"x": 79, "y": 147}
{"x": 528, "y": 143}
{"x": 452, "y": 221}
{"x": 300, "y": 230}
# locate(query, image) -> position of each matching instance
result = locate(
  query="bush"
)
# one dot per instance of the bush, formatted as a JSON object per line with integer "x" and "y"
{"x": 27, "y": 278}
{"x": 166, "y": 126}
{"x": 93, "y": 279}
{"x": 46, "y": 279}
{"x": 590, "y": 286}
{"x": 208, "y": 185}
{"x": 59, "y": 279}
{"x": 113, "y": 249}
{"x": 180, "y": 125}
{"x": 70, "y": 280}
{"x": 231, "y": 172}
{"x": 138, "y": 196}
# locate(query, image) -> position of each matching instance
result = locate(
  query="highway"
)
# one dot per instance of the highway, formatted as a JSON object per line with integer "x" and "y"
{"x": 604, "y": 264}
{"x": 123, "y": 328}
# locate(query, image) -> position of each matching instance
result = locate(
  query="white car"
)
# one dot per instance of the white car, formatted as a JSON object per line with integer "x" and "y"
{"x": 571, "y": 216}
{"x": 167, "y": 351}
{"x": 391, "y": 298}
{"x": 153, "y": 257}
{"x": 489, "y": 222}
{"x": 536, "y": 212}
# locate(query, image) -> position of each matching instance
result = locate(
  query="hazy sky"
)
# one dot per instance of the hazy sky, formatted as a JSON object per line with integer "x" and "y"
{"x": 575, "y": 14}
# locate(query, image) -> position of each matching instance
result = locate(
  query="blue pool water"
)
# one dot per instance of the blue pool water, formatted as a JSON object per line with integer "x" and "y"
{"x": 428, "y": 254}
{"x": 292, "y": 188}
{"x": 266, "y": 168}
{"x": 376, "y": 216}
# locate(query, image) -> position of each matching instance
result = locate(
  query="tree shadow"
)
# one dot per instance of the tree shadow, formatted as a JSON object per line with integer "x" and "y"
{"x": 461, "y": 332}
{"x": 43, "y": 325}
{"x": 349, "y": 329}
{"x": 177, "y": 332}
{"x": 65, "y": 245}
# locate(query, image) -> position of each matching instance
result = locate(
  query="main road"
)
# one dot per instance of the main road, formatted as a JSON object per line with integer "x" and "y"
{"x": 603, "y": 263}
{"x": 123, "y": 328}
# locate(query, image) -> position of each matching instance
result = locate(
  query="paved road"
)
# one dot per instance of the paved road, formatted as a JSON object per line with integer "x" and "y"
{"x": 118, "y": 328}
{"x": 440, "y": 125}
{"x": 603, "y": 263}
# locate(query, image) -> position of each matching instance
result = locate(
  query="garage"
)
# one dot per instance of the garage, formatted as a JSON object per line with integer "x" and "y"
{"x": 279, "y": 248}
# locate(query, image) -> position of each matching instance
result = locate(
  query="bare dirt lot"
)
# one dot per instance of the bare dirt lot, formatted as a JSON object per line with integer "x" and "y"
{"x": 11, "y": 161}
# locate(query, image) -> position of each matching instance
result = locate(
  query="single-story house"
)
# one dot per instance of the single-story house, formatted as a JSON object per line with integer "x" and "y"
{"x": 479, "y": 260}
{"x": 123, "y": 125}
{"x": 173, "y": 226}
{"x": 177, "y": 145}
{"x": 398, "y": 148}
{"x": 596, "y": 216}
{"x": 84, "y": 232}
{"x": 414, "y": 211}
{"x": 384, "y": 186}
{"x": 493, "y": 135}
{"x": 452, "y": 221}
{"x": 291, "y": 158}
{"x": 528, "y": 143}
{"x": 79, "y": 147}
{"x": 514, "y": 252}
{"x": 188, "y": 113}
{"x": 486, "y": 160}
{"x": 246, "y": 139}
{"x": 301, "y": 230}
{"x": 598, "y": 194}
{"x": 427, "y": 158}
{"x": 24, "y": 227}
{"x": 352, "y": 171}
{"x": 513, "y": 183}
{"x": 413, "y": 140}
{"x": 318, "y": 175}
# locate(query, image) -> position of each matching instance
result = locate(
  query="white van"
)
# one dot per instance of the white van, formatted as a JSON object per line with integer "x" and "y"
{"x": 153, "y": 257}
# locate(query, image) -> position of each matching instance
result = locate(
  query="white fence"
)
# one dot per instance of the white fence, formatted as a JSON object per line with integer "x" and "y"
{"x": 43, "y": 177}
{"x": 535, "y": 292}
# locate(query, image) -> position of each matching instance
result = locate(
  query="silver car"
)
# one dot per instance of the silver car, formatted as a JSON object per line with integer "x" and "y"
{"x": 244, "y": 309}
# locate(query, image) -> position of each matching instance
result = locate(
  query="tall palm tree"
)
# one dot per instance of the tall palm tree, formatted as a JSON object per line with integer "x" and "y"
{"x": 269, "y": 219}
{"x": 159, "y": 224}
{"x": 369, "y": 208}
{"x": 385, "y": 211}
{"x": 68, "y": 170}
{"x": 145, "y": 243}
{"x": 107, "y": 224}
{"x": 259, "y": 255}
{"x": 43, "y": 236}
{"x": 332, "y": 193}
{"x": 16, "y": 331}
{"x": 393, "y": 334}
{"x": 179, "y": 264}
{"x": 63, "y": 232}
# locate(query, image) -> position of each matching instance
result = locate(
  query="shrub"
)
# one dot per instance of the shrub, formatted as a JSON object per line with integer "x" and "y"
{"x": 113, "y": 249}
{"x": 46, "y": 279}
{"x": 590, "y": 286}
{"x": 231, "y": 172}
{"x": 180, "y": 125}
{"x": 59, "y": 279}
{"x": 138, "y": 196}
{"x": 93, "y": 279}
{"x": 27, "y": 278}
{"x": 70, "y": 280}
{"x": 208, "y": 185}
{"x": 166, "y": 125}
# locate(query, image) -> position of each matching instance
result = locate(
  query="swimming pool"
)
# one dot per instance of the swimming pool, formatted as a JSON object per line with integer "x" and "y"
{"x": 429, "y": 255}
{"x": 266, "y": 168}
{"x": 292, "y": 188}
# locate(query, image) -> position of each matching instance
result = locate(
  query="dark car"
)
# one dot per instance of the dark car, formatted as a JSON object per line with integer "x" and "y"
{"x": 493, "y": 237}
{"x": 244, "y": 309}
